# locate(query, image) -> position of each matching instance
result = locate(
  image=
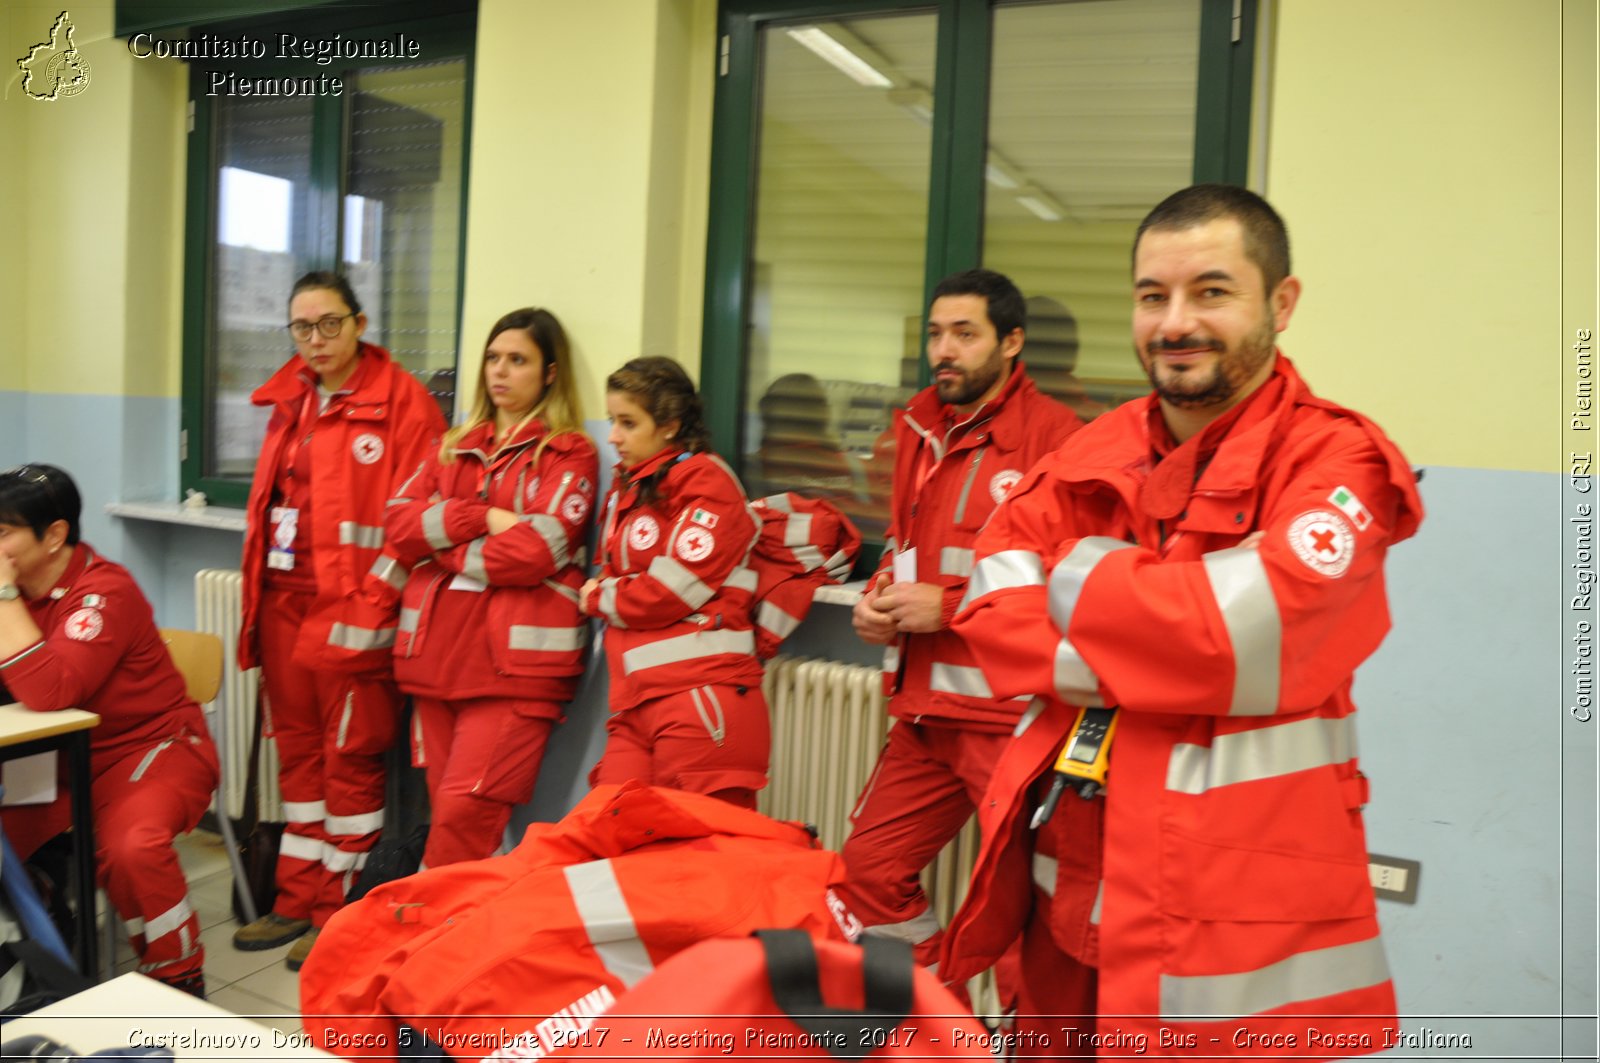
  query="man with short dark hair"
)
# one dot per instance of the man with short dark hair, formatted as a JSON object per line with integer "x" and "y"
{"x": 960, "y": 445}
{"x": 1208, "y": 563}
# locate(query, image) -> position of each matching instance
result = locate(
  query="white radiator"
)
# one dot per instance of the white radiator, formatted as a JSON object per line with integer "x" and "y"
{"x": 828, "y": 725}
{"x": 217, "y": 602}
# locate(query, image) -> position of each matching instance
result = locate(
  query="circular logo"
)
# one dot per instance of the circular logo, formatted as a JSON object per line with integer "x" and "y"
{"x": 367, "y": 448}
{"x": 644, "y": 532}
{"x": 1323, "y": 541}
{"x": 1002, "y": 482}
{"x": 68, "y": 72}
{"x": 695, "y": 544}
{"x": 84, "y": 625}
{"x": 575, "y": 508}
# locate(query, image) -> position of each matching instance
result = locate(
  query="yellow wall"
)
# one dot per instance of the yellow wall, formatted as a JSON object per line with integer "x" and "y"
{"x": 590, "y": 160}
{"x": 94, "y": 216}
{"x": 1415, "y": 152}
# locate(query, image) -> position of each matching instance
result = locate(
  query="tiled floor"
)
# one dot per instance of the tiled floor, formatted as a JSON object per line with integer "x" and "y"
{"x": 254, "y": 984}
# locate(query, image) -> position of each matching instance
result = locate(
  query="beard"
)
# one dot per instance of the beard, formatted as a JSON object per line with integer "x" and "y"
{"x": 969, "y": 386}
{"x": 1196, "y": 387}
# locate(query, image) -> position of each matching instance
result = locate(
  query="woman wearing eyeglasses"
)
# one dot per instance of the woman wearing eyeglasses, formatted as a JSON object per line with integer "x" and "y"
{"x": 491, "y": 641}
{"x": 348, "y": 425}
{"x": 76, "y": 632}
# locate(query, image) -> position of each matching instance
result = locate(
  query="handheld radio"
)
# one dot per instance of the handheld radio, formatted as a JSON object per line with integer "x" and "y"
{"x": 1083, "y": 761}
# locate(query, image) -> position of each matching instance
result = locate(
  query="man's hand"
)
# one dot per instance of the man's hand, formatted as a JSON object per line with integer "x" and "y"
{"x": 917, "y": 608}
{"x": 870, "y": 621}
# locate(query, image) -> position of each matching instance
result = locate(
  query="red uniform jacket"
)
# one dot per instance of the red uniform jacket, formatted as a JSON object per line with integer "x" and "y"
{"x": 101, "y": 652}
{"x": 369, "y": 438}
{"x": 1235, "y": 866}
{"x": 521, "y": 633}
{"x": 949, "y": 475}
{"x": 675, "y": 583}
{"x": 499, "y": 958}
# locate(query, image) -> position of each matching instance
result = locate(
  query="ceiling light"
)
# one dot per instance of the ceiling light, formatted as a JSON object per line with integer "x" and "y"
{"x": 1039, "y": 207}
{"x": 843, "y": 59}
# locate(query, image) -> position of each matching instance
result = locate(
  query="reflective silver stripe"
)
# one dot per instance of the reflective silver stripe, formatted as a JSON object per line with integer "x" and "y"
{"x": 554, "y": 534}
{"x": 607, "y": 920}
{"x": 390, "y": 571}
{"x": 433, "y": 527}
{"x": 367, "y": 535}
{"x": 304, "y": 811}
{"x": 688, "y": 647}
{"x": 1044, "y": 873}
{"x": 1004, "y": 571}
{"x": 913, "y": 931}
{"x": 1099, "y": 899}
{"x": 797, "y": 530}
{"x": 1031, "y": 713}
{"x": 1075, "y": 681}
{"x": 418, "y": 745}
{"x": 809, "y": 557}
{"x": 409, "y": 619}
{"x": 1264, "y": 753}
{"x": 560, "y": 495}
{"x": 360, "y": 638}
{"x": 1304, "y": 976}
{"x": 344, "y": 718}
{"x": 955, "y": 561}
{"x": 608, "y": 601}
{"x": 549, "y": 639}
{"x": 891, "y": 657}
{"x": 1250, "y": 613}
{"x": 717, "y": 728}
{"x": 779, "y": 503}
{"x": 569, "y": 593}
{"x": 742, "y": 579}
{"x": 339, "y": 860}
{"x": 472, "y": 562}
{"x": 300, "y": 847}
{"x": 966, "y": 488}
{"x": 405, "y": 488}
{"x": 671, "y": 574}
{"x": 168, "y": 921}
{"x": 1067, "y": 578}
{"x": 959, "y": 679}
{"x": 776, "y": 620}
{"x": 145, "y": 761}
{"x": 364, "y": 823}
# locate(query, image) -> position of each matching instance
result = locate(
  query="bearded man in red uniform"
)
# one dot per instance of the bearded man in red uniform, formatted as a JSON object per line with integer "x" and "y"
{"x": 1209, "y": 562}
{"x": 960, "y": 445}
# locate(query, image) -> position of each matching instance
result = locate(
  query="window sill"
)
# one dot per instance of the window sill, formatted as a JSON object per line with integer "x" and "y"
{"x": 217, "y": 518}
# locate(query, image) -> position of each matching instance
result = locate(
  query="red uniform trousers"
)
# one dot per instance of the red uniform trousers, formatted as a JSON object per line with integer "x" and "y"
{"x": 141, "y": 802}
{"x": 713, "y": 740}
{"x": 1055, "y": 992}
{"x": 928, "y": 780}
{"x": 482, "y": 757}
{"x": 332, "y": 731}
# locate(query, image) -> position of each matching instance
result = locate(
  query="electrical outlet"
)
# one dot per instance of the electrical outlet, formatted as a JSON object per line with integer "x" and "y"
{"x": 1394, "y": 878}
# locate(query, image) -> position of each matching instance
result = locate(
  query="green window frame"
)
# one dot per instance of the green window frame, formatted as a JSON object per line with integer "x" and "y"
{"x": 447, "y": 29}
{"x": 956, "y": 167}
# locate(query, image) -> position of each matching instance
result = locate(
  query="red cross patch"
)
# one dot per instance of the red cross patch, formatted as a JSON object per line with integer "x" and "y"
{"x": 84, "y": 625}
{"x": 1323, "y": 541}
{"x": 367, "y": 448}
{"x": 695, "y": 543}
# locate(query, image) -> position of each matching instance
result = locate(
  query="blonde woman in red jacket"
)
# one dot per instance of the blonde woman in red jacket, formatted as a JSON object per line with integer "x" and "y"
{"x": 491, "y": 640}
{"x": 348, "y": 425}
{"x": 675, "y": 591}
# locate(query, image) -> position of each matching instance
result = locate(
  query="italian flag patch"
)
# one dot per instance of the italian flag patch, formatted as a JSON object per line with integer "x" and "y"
{"x": 704, "y": 518}
{"x": 1351, "y": 507}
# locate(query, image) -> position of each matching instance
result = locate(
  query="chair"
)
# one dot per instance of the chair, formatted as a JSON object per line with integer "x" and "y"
{"x": 198, "y": 658}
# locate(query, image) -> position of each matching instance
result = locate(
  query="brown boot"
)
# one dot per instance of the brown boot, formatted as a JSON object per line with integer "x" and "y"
{"x": 302, "y": 949}
{"x": 268, "y": 932}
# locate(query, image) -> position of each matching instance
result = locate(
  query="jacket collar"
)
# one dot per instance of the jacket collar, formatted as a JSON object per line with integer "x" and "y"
{"x": 476, "y": 441}
{"x": 625, "y": 479}
{"x": 294, "y": 378}
{"x": 929, "y": 415}
{"x": 83, "y": 556}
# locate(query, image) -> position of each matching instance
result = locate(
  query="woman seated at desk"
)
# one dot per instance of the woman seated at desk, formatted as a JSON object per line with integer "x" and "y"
{"x": 76, "y": 632}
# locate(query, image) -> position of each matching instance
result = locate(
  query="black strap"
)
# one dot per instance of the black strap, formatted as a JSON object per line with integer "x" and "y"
{"x": 886, "y": 973}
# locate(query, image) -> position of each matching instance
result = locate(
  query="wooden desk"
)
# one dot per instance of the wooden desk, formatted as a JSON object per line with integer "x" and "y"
{"x": 134, "y": 1010}
{"x": 23, "y": 733}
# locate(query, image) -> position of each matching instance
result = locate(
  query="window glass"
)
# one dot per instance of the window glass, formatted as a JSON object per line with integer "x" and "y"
{"x": 1091, "y": 123}
{"x": 834, "y": 334}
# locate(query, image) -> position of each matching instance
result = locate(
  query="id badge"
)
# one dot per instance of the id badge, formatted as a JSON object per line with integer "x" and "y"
{"x": 285, "y": 521}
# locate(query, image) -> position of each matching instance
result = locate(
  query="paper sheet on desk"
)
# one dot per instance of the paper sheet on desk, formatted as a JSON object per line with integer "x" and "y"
{"x": 29, "y": 780}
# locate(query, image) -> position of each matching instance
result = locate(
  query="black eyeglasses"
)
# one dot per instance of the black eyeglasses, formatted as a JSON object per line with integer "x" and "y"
{"x": 330, "y": 326}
